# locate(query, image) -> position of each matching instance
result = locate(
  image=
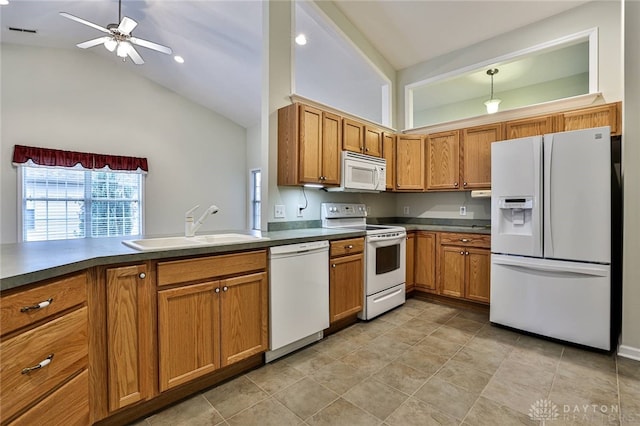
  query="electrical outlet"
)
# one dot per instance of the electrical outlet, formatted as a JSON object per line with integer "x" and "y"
{"x": 463, "y": 210}
{"x": 278, "y": 211}
{"x": 406, "y": 210}
{"x": 300, "y": 210}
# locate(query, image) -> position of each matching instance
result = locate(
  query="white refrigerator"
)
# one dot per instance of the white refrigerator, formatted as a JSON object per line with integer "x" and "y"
{"x": 551, "y": 235}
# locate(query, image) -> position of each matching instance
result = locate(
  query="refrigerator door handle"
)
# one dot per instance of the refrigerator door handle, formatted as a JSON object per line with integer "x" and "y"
{"x": 548, "y": 231}
{"x": 565, "y": 267}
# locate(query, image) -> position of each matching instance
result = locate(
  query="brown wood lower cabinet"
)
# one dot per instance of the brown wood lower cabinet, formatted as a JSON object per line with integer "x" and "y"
{"x": 425, "y": 252}
{"x": 346, "y": 278}
{"x": 464, "y": 266}
{"x": 212, "y": 324}
{"x": 410, "y": 258}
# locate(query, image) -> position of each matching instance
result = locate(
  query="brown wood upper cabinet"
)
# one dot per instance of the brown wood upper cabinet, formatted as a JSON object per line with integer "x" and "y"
{"x": 443, "y": 153}
{"x": 410, "y": 163}
{"x": 358, "y": 137}
{"x": 476, "y": 155}
{"x": 529, "y": 127}
{"x": 389, "y": 154}
{"x": 602, "y": 115}
{"x": 309, "y": 145}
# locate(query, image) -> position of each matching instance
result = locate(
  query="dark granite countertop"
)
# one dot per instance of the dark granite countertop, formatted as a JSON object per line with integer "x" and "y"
{"x": 27, "y": 263}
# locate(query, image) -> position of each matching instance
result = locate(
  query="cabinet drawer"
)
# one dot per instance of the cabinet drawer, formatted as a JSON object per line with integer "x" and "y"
{"x": 180, "y": 271}
{"x": 471, "y": 240}
{"x": 344, "y": 247}
{"x": 69, "y": 405}
{"x": 64, "y": 294}
{"x": 65, "y": 338}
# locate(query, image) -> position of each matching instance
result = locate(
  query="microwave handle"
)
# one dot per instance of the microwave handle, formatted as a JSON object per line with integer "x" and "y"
{"x": 377, "y": 183}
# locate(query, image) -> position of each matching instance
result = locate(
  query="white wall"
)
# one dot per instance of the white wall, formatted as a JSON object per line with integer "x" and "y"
{"x": 74, "y": 100}
{"x": 630, "y": 345}
{"x": 602, "y": 14}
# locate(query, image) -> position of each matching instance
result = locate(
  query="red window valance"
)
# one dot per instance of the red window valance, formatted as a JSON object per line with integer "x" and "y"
{"x": 57, "y": 157}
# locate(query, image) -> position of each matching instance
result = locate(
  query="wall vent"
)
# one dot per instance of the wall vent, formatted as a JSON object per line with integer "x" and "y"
{"x": 22, "y": 30}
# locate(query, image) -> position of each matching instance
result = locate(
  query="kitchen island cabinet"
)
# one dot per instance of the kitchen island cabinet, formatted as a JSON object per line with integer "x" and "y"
{"x": 44, "y": 364}
{"x": 216, "y": 316}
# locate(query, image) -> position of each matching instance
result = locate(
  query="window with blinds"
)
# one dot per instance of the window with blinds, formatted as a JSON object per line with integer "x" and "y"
{"x": 64, "y": 203}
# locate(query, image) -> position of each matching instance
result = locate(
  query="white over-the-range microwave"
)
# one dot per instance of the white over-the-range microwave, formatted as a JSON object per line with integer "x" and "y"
{"x": 361, "y": 173}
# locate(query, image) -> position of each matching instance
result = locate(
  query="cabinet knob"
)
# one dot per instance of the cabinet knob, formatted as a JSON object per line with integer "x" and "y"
{"x": 455, "y": 184}
{"x": 225, "y": 288}
{"x": 462, "y": 253}
{"x": 40, "y": 305}
{"x": 464, "y": 183}
{"x": 350, "y": 246}
{"x": 217, "y": 290}
{"x": 362, "y": 148}
{"x": 142, "y": 275}
{"x": 39, "y": 365}
{"x": 333, "y": 265}
{"x": 466, "y": 253}
{"x": 366, "y": 149}
{"x": 465, "y": 240}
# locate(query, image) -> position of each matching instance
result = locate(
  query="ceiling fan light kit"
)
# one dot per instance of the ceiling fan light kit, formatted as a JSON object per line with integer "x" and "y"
{"x": 119, "y": 39}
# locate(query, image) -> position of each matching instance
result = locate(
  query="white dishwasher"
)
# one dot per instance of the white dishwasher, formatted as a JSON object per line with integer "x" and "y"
{"x": 298, "y": 296}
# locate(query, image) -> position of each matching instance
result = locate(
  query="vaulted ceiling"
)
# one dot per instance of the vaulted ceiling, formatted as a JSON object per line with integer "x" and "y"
{"x": 221, "y": 41}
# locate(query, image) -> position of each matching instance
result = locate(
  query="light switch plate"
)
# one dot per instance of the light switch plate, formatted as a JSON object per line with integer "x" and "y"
{"x": 406, "y": 210}
{"x": 463, "y": 211}
{"x": 279, "y": 211}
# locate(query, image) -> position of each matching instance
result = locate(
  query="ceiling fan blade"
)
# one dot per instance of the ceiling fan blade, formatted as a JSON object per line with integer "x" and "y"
{"x": 151, "y": 45}
{"x": 94, "y": 42}
{"x": 127, "y": 25}
{"x": 135, "y": 56}
{"x": 85, "y": 22}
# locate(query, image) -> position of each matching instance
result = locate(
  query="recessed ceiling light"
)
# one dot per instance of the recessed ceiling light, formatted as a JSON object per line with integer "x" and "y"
{"x": 301, "y": 39}
{"x": 179, "y": 59}
{"x": 4, "y": 2}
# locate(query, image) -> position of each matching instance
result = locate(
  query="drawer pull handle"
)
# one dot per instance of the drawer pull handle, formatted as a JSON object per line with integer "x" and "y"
{"x": 350, "y": 246}
{"x": 465, "y": 240}
{"x": 37, "y": 306}
{"x": 40, "y": 365}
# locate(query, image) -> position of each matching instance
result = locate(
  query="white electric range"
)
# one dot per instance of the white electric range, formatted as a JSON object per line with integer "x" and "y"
{"x": 384, "y": 253}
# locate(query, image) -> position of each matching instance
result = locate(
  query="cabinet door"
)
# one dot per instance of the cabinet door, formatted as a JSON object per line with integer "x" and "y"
{"x": 310, "y": 140}
{"x": 443, "y": 153}
{"x": 129, "y": 335}
{"x": 410, "y": 281}
{"x": 605, "y": 115}
{"x": 410, "y": 160}
{"x": 244, "y": 317}
{"x": 388, "y": 152}
{"x": 425, "y": 261}
{"x": 478, "y": 274}
{"x": 352, "y": 135}
{"x": 535, "y": 126}
{"x": 476, "y": 155}
{"x": 188, "y": 333}
{"x": 452, "y": 271}
{"x": 372, "y": 141}
{"x": 331, "y": 148}
{"x": 346, "y": 282}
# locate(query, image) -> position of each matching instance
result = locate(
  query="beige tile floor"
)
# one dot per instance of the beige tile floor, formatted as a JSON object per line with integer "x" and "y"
{"x": 424, "y": 364}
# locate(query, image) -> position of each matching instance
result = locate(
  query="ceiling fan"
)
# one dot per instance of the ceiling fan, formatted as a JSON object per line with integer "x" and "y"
{"x": 119, "y": 38}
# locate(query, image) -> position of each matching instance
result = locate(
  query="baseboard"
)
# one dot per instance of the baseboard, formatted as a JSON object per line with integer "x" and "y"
{"x": 629, "y": 352}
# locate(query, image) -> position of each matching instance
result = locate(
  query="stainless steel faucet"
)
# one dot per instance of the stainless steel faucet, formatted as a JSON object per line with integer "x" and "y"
{"x": 190, "y": 227}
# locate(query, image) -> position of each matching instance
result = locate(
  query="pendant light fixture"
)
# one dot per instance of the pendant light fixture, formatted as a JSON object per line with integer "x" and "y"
{"x": 493, "y": 103}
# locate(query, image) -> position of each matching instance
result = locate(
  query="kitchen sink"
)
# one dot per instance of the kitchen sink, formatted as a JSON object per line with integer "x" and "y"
{"x": 166, "y": 243}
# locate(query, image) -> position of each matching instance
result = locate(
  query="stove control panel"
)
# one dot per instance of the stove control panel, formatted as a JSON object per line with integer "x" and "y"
{"x": 342, "y": 210}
